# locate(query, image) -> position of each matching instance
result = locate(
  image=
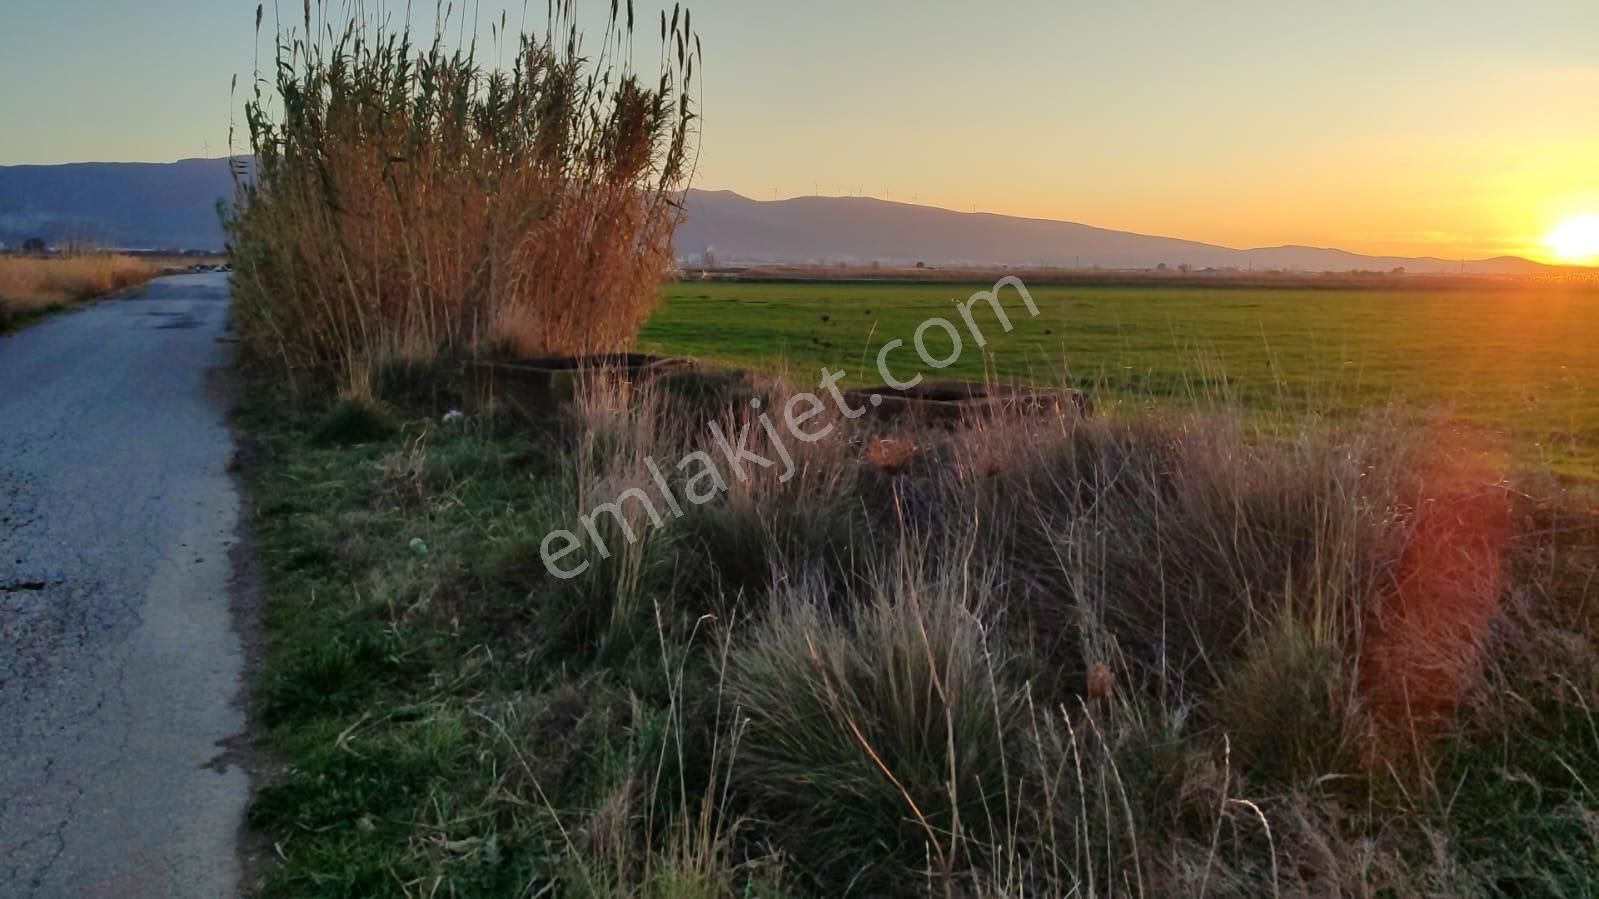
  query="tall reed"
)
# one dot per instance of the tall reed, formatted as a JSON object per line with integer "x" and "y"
{"x": 410, "y": 201}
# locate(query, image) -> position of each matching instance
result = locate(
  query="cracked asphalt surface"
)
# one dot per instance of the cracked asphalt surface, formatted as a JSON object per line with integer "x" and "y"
{"x": 119, "y": 664}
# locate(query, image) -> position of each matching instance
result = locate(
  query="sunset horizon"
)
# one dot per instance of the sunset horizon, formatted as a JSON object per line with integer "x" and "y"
{"x": 1428, "y": 131}
{"x": 1571, "y": 241}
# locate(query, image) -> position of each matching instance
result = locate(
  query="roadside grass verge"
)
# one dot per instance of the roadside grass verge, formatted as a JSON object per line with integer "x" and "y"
{"x": 1147, "y": 654}
{"x": 33, "y": 287}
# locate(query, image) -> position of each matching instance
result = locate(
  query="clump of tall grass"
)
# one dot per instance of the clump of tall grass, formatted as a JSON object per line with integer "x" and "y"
{"x": 408, "y": 201}
{"x": 878, "y": 725}
{"x": 628, "y": 556}
{"x": 1197, "y": 609}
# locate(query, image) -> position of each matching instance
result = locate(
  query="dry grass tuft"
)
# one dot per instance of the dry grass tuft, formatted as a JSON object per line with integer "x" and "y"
{"x": 1426, "y": 632}
{"x": 877, "y": 734}
{"x": 30, "y": 285}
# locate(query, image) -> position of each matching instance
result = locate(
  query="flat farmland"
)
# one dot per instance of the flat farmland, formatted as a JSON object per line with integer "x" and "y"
{"x": 1519, "y": 360}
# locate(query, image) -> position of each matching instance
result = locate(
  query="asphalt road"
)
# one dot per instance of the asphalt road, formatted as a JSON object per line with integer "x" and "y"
{"x": 119, "y": 664}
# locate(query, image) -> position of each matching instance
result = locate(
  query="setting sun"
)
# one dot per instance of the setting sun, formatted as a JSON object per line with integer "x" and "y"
{"x": 1575, "y": 240}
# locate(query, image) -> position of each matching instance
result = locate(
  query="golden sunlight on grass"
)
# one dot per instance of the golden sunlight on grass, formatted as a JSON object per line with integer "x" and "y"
{"x": 31, "y": 285}
{"x": 1575, "y": 240}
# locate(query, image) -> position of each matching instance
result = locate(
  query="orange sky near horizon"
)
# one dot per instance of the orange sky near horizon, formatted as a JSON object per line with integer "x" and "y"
{"x": 1449, "y": 128}
{"x": 1488, "y": 171}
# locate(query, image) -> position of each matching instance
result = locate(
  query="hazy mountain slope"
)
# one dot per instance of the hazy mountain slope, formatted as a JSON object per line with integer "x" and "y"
{"x": 130, "y": 205}
{"x": 139, "y": 205}
{"x": 823, "y": 229}
{"x": 831, "y": 229}
{"x": 1327, "y": 259}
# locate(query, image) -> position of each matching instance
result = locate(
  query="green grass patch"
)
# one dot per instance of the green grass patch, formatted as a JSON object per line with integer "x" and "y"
{"x": 1512, "y": 357}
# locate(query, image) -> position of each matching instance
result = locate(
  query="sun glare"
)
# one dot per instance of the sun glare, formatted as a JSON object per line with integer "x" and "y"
{"x": 1575, "y": 240}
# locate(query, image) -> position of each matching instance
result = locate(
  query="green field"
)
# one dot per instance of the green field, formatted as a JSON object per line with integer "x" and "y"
{"x": 1518, "y": 360}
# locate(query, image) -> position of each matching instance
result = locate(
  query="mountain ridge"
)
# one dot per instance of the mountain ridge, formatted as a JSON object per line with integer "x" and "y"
{"x": 173, "y": 205}
{"x": 128, "y": 205}
{"x": 865, "y": 229}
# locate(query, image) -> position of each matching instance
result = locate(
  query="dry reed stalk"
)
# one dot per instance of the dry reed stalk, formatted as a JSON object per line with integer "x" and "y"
{"x": 408, "y": 204}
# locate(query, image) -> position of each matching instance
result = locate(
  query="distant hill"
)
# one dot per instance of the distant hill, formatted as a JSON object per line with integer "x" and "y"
{"x": 116, "y": 204}
{"x": 835, "y": 229}
{"x": 173, "y": 205}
